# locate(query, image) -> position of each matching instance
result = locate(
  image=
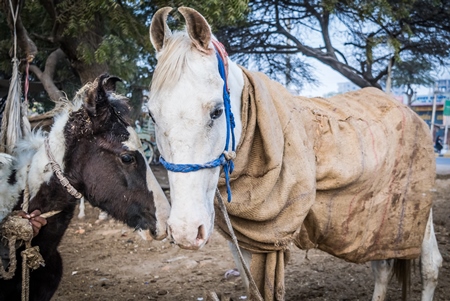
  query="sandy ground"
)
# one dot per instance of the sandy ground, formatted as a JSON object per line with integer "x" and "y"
{"x": 108, "y": 261}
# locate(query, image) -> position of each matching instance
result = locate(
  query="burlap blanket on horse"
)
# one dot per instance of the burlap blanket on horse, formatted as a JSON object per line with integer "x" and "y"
{"x": 351, "y": 175}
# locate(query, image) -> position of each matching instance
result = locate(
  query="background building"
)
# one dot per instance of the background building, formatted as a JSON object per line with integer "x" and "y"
{"x": 423, "y": 105}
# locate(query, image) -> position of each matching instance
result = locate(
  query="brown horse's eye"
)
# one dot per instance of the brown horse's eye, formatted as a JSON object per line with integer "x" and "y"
{"x": 127, "y": 158}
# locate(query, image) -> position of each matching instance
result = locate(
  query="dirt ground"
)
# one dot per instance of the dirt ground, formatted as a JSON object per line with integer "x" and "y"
{"x": 108, "y": 261}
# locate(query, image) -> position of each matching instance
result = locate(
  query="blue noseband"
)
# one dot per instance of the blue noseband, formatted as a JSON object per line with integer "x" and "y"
{"x": 226, "y": 158}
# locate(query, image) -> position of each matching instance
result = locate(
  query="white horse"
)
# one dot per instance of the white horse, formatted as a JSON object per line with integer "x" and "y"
{"x": 193, "y": 128}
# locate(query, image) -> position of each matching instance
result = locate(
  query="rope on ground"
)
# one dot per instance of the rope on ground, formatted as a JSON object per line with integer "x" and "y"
{"x": 254, "y": 292}
{"x": 212, "y": 296}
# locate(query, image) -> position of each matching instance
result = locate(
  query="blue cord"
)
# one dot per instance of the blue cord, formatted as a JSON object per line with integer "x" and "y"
{"x": 193, "y": 167}
{"x": 228, "y": 165}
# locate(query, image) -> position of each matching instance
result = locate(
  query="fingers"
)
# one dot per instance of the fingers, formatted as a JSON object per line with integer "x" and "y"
{"x": 31, "y": 215}
{"x": 39, "y": 219}
{"x": 35, "y": 213}
{"x": 35, "y": 219}
{"x": 23, "y": 214}
{"x": 37, "y": 225}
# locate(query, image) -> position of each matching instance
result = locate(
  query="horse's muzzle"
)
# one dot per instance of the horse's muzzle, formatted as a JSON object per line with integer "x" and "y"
{"x": 158, "y": 234}
{"x": 189, "y": 244}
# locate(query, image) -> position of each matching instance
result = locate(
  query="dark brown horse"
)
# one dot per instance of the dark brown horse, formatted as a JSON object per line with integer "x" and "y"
{"x": 100, "y": 155}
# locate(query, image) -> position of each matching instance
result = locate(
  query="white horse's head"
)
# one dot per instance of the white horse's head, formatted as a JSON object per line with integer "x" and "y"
{"x": 187, "y": 105}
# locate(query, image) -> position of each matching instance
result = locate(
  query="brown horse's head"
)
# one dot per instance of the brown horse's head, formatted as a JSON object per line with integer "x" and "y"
{"x": 104, "y": 161}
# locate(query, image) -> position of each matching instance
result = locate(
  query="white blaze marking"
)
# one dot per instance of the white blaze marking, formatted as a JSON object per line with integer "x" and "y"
{"x": 161, "y": 203}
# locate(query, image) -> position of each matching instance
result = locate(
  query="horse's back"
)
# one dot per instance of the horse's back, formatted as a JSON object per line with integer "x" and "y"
{"x": 354, "y": 172}
{"x": 375, "y": 171}
{"x": 363, "y": 131}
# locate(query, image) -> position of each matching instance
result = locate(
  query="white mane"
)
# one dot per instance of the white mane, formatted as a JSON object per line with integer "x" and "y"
{"x": 173, "y": 61}
{"x": 29, "y": 152}
{"x": 8, "y": 193}
{"x": 28, "y": 146}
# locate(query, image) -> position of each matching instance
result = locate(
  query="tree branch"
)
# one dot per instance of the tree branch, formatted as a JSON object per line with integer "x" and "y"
{"x": 46, "y": 77}
{"x": 351, "y": 73}
{"x": 52, "y": 60}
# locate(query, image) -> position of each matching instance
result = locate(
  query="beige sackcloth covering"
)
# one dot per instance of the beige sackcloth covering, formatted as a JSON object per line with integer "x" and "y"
{"x": 350, "y": 175}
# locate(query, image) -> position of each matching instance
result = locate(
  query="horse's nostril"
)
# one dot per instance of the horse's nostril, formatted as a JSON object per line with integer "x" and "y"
{"x": 170, "y": 235}
{"x": 169, "y": 232}
{"x": 153, "y": 232}
{"x": 201, "y": 234}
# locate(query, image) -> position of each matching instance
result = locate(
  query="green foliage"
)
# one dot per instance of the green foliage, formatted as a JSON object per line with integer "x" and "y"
{"x": 415, "y": 71}
{"x": 70, "y": 24}
{"x": 114, "y": 34}
{"x": 123, "y": 26}
{"x": 218, "y": 13}
{"x": 6, "y": 43}
{"x": 78, "y": 16}
{"x": 357, "y": 38}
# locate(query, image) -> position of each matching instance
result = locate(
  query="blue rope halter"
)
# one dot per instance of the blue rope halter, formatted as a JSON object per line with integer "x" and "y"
{"x": 226, "y": 158}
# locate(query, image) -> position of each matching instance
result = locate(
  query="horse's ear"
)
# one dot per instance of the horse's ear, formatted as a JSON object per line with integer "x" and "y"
{"x": 109, "y": 83}
{"x": 198, "y": 29}
{"x": 159, "y": 31}
{"x": 97, "y": 97}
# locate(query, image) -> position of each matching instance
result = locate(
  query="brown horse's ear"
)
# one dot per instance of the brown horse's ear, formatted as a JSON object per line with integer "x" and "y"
{"x": 198, "y": 29}
{"x": 97, "y": 95}
{"x": 159, "y": 31}
{"x": 109, "y": 83}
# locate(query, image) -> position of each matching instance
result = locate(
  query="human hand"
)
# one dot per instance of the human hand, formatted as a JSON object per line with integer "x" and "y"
{"x": 35, "y": 219}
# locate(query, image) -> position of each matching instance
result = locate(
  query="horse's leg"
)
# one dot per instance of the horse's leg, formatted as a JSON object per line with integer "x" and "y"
{"x": 382, "y": 271}
{"x": 430, "y": 260}
{"x": 81, "y": 213}
{"x": 247, "y": 258}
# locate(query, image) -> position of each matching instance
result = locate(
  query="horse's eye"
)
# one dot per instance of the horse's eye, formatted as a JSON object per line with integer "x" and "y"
{"x": 127, "y": 158}
{"x": 216, "y": 113}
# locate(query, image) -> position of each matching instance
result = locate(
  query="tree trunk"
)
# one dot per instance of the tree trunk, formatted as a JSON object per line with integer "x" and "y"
{"x": 91, "y": 39}
{"x": 137, "y": 97}
{"x": 88, "y": 41}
